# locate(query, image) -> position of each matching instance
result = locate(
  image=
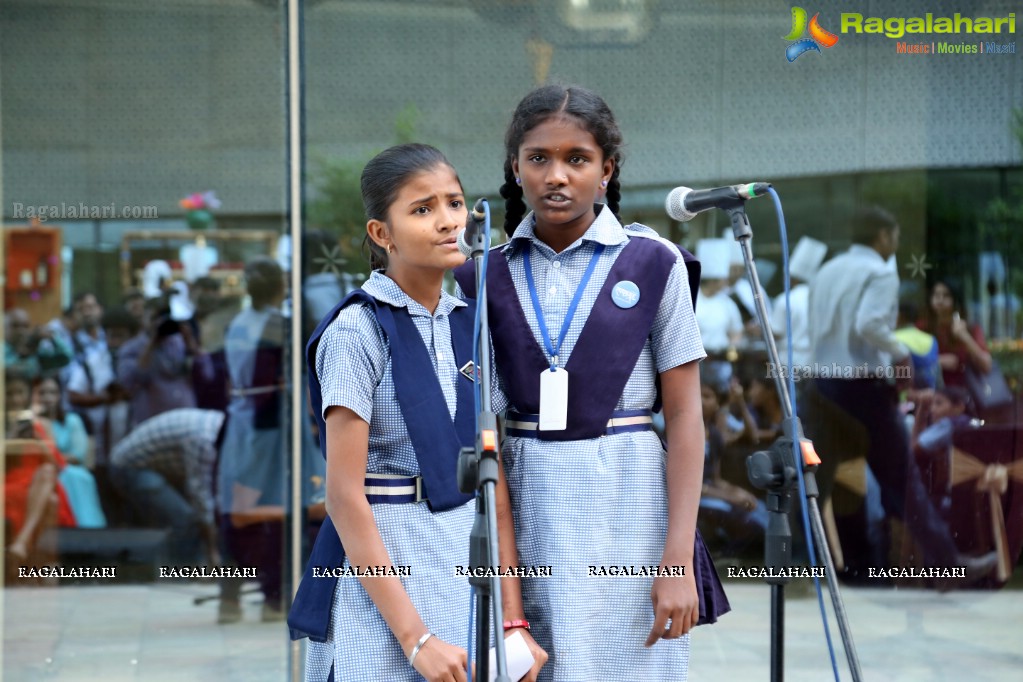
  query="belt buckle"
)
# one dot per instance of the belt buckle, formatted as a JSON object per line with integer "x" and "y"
{"x": 420, "y": 497}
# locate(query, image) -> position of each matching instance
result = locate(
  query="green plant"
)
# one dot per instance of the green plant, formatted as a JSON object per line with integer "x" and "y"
{"x": 336, "y": 206}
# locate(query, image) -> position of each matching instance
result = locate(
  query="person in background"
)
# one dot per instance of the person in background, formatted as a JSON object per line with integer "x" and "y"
{"x": 728, "y": 513}
{"x": 91, "y": 375}
{"x": 69, "y": 436}
{"x": 33, "y": 495}
{"x": 32, "y": 351}
{"x": 960, "y": 344}
{"x": 154, "y": 367}
{"x": 853, "y": 309}
{"x": 135, "y": 303}
{"x": 803, "y": 265}
{"x": 717, "y": 315}
{"x": 250, "y": 474}
{"x": 164, "y": 467}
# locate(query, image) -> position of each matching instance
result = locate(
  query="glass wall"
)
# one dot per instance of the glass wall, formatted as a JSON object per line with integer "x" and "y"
{"x": 146, "y": 221}
{"x": 118, "y": 119}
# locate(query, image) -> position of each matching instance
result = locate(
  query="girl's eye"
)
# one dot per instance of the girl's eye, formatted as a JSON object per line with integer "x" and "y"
{"x": 536, "y": 158}
{"x": 457, "y": 203}
{"x": 422, "y": 210}
{"x": 577, "y": 160}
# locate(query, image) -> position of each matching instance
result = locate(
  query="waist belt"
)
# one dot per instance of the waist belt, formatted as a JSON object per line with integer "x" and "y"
{"x": 394, "y": 489}
{"x": 622, "y": 421}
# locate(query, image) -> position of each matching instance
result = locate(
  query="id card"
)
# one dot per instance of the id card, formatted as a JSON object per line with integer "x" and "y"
{"x": 553, "y": 400}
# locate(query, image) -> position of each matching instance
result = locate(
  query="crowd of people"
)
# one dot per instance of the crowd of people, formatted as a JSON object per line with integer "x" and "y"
{"x": 136, "y": 415}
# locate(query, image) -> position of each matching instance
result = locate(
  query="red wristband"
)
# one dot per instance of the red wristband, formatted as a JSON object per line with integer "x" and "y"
{"x": 520, "y": 623}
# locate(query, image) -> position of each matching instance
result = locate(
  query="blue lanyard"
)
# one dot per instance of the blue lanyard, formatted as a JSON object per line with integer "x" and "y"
{"x": 552, "y": 350}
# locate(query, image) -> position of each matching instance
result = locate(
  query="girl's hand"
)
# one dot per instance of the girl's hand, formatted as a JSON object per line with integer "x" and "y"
{"x": 439, "y": 661}
{"x": 959, "y": 328}
{"x": 539, "y": 655}
{"x": 676, "y": 607}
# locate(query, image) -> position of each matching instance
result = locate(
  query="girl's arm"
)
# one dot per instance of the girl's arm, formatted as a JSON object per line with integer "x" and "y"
{"x": 675, "y": 599}
{"x": 347, "y": 452}
{"x": 511, "y": 589}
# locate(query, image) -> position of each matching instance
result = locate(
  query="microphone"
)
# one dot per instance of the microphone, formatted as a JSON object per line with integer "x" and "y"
{"x": 473, "y": 225}
{"x": 684, "y": 203}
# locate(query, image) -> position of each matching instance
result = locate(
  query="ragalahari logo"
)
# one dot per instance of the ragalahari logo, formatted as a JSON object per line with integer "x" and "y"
{"x": 818, "y": 35}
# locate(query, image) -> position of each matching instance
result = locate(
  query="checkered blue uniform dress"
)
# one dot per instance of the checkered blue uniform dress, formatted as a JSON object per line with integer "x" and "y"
{"x": 601, "y": 501}
{"x": 353, "y": 362}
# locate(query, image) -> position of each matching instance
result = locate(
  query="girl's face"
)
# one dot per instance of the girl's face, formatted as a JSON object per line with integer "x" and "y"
{"x": 561, "y": 167}
{"x": 941, "y": 300}
{"x": 423, "y": 223}
{"x": 18, "y": 395}
{"x": 48, "y": 396}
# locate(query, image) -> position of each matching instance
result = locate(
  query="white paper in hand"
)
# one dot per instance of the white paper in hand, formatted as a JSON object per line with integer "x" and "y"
{"x": 517, "y": 654}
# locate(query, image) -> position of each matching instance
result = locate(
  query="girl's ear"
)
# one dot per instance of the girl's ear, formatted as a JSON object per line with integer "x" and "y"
{"x": 515, "y": 167}
{"x": 378, "y": 233}
{"x": 609, "y": 169}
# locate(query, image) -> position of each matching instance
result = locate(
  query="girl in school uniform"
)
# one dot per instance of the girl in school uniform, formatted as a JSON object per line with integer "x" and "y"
{"x": 393, "y": 411}
{"x": 592, "y": 325}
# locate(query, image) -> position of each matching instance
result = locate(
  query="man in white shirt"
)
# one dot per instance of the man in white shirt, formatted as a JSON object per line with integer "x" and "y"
{"x": 852, "y": 313}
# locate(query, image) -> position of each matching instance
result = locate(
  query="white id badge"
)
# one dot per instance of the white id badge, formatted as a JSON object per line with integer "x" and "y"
{"x": 553, "y": 400}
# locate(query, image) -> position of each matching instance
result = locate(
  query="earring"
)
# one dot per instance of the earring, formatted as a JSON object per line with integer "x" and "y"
{"x": 518, "y": 181}
{"x": 603, "y": 183}
{"x": 390, "y": 249}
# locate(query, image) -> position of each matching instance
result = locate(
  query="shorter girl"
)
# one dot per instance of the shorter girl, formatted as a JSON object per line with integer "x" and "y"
{"x": 393, "y": 412}
{"x": 72, "y": 441}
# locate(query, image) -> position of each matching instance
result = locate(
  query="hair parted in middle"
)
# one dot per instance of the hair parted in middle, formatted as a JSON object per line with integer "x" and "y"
{"x": 560, "y": 100}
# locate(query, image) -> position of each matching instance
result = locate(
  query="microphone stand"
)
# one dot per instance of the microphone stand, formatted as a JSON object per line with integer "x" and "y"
{"x": 478, "y": 471}
{"x": 775, "y": 471}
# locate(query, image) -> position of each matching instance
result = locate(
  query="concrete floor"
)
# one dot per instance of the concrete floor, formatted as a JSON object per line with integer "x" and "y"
{"x": 154, "y": 632}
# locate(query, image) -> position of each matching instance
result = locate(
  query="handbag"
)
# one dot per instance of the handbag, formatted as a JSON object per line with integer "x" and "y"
{"x": 989, "y": 391}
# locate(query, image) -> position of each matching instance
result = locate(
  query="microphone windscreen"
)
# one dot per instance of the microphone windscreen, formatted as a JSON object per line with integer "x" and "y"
{"x": 675, "y": 205}
{"x": 463, "y": 245}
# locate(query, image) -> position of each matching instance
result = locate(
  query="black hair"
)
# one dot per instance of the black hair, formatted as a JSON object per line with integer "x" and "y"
{"x": 869, "y": 222}
{"x": 957, "y": 395}
{"x": 540, "y": 105}
{"x": 120, "y": 318}
{"x": 384, "y": 176}
{"x": 909, "y": 311}
{"x": 264, "y": 280}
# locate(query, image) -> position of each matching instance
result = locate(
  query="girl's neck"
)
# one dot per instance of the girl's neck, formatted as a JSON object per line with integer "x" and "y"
{"x": 421, "y": 285}
{"x": 559, "y": 238}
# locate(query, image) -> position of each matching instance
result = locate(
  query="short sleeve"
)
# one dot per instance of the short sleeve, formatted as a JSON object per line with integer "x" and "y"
{"x": 674, "y": 336}
{"x": 350, "y": 361}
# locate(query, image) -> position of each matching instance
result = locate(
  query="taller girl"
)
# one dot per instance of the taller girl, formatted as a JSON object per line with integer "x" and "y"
{"x": 593, "y": 325}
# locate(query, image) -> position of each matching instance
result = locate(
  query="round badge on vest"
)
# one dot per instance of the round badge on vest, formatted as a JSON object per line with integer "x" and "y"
{"x": 625, "y": 294}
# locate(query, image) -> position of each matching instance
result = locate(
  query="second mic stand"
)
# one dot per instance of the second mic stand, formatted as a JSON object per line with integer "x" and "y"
{"x": 777, "y": 472}
{"x": 478, "y": 471}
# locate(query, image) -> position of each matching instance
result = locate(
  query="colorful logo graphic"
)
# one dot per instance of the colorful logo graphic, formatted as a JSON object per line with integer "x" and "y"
{"x": 818, "y": 35}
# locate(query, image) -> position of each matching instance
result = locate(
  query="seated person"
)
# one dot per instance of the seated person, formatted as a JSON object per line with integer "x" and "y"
{"x": 33, "y": 497}
{"x": 728, "y": 513}
{"x": 68, "y": 434}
